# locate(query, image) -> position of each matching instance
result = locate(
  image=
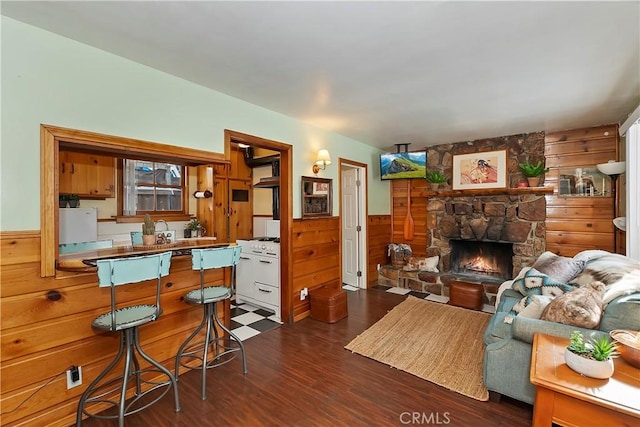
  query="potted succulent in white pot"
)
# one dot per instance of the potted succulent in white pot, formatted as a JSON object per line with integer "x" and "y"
{"x": 593, "y": 358}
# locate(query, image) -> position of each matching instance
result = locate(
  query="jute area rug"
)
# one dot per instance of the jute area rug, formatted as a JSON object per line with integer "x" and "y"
{"x": 436, "y": 342}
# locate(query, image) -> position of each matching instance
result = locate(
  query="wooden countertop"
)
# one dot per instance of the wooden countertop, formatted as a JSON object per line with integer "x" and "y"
{"x": 85, "y": 261}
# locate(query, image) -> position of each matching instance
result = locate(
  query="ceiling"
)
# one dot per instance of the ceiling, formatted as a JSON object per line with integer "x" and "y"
{"x": 383, "y": 73}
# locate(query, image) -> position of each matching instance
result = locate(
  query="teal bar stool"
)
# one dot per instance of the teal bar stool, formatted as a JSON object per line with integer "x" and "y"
{"x": 126, "y": 320}
{"x": 223, "y": 348}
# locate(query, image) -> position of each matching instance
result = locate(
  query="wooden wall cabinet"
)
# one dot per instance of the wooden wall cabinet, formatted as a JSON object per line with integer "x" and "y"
{"x": 316, "y": 197}
{"x": 228, "y": 215}
{"x": 87, "y": 175}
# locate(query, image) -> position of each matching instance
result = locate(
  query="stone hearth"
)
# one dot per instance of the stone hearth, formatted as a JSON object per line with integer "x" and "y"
{"x": 431, "y": 283}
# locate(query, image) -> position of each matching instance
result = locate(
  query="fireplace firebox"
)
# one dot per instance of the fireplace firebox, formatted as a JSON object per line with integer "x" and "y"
{"x": 482, "y": 260}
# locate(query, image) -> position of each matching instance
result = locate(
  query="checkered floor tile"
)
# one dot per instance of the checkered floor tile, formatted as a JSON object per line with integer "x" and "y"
{"x": 248, "y": 321}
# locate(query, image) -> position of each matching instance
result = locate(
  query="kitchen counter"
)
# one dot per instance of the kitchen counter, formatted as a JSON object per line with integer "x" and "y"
{"x": 86, "y": 260}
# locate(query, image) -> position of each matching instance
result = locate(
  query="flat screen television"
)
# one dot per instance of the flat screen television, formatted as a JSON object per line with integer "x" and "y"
{"x": 403, "y": 165}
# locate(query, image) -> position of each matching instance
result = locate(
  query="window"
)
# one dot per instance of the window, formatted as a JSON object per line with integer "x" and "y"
{"x": 150, "y": 187}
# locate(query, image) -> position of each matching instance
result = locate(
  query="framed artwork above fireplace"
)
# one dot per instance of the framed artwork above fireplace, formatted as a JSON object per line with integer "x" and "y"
{"x": 480, "y": 170}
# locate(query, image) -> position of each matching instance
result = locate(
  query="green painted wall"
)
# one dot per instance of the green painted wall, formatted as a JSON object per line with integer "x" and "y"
{"x": 53, "y": 80}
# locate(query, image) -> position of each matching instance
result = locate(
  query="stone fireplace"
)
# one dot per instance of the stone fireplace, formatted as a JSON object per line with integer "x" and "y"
{"x": 507, "y": 230}
{"x": 515, "y": 220}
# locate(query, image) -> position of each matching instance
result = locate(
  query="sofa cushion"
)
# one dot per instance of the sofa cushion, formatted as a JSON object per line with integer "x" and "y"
{"x": 534, "y": 282}
{"x": 561, "y": 268}
{"x": 622, "y": 313}
{"x": 581, "y": 307}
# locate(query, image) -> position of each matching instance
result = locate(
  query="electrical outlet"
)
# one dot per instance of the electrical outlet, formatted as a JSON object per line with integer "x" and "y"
{"x": 74, "y": 377}
{"x": 304, "y": 293}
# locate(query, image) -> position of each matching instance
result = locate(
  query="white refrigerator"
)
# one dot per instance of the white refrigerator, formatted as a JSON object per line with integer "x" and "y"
{"x": 78, "y": 225}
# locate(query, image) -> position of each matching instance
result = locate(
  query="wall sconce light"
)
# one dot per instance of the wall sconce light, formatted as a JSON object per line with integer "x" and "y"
{"x": 614, "y": 170}
{"x": 322, "y": 161}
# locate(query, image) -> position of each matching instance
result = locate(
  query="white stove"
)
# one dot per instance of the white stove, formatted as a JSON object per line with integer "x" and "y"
{"x": 258, "y": 274}
{"x": 266, "y": 246}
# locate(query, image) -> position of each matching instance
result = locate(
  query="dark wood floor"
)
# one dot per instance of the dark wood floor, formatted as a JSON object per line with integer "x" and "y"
{"x": 300, "y": 375}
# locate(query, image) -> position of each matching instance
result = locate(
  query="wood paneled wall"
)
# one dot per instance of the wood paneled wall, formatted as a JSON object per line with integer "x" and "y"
{"x": 577, "y": 223}
{"x": 45, "y": 326}
{"x": 418, "y": 190}
{"x": 378, "y": 238}
{"x": 316, "y": 259}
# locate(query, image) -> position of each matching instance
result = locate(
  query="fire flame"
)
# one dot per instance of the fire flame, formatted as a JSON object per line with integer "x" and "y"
{"x": 480, "y": 264}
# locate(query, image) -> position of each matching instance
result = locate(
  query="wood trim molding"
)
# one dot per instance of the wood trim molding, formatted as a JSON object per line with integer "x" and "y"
{"x": 365, "y": 215}
{"x": 486, "y": 192}
{"x": 286, "y": 210}
{"x": 53, "y": 137}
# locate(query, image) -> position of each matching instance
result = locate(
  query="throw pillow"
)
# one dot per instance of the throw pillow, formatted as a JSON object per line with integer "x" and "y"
{"x": 516, "y": 309}
{"x": 629, "y": 284}
{"x": 559, "y": 267}
{"x": 422, "y": 264}
{"x": 536, "y": 306}
{"x": 535, "y": 283}
{"x": 581, "y": 307}
{"x": 605, "y": 267}
{"x": 430, "y": 264}
{"x": 530, "y": 306}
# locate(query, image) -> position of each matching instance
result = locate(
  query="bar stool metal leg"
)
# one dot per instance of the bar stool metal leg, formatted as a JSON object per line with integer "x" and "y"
{"x": 233, "y": 336}
{"x": 130, "y": 343}
{"x": 148, "y": 383}
{"x": 220, "y": 348}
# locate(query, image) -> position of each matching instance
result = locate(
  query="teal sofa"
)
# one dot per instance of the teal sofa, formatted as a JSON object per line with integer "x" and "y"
{"x": 507, "y": 357}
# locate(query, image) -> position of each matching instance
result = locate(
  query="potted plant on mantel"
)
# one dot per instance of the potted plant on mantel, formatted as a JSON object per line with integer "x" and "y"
{"x": 148, "y": 231}
{"x": 533, "y": 172}
{"x": 593, "y": 358}
{"x": 434, "y": 179}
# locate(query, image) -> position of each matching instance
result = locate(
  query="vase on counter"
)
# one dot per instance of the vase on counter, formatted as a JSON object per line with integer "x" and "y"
{"x": 148, "y": 239}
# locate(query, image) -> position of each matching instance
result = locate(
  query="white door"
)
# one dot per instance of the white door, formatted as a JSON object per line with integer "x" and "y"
{"x": 350, "y": 227}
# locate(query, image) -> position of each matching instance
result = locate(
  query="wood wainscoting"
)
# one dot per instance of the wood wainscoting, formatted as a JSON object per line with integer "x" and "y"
{"x": 317, "y": 259}
{"x": 45, "y": 323}
{"x": 378, "y": 239}
{"x": 45, "y": 326}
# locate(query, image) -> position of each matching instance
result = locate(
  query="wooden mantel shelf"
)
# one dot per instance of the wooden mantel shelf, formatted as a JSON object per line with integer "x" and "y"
{"x": 487, "y": 192}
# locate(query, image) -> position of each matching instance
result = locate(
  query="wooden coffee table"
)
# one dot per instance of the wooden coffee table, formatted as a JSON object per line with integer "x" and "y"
{"x": 565, "y": 397}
